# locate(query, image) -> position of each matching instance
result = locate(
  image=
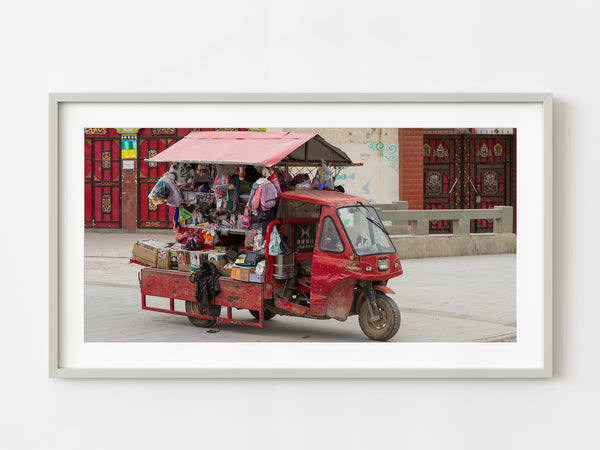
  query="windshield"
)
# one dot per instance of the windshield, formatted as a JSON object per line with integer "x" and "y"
{"x": 365, "y": 230}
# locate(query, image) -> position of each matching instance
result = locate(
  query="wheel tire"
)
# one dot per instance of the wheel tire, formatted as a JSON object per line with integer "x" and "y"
{"x": 266, "y": 316}
{"x": 388, "y": 324}
{"x": 194, "y": 308}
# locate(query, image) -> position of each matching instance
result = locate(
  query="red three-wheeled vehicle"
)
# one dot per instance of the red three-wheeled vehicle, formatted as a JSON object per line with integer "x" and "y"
{"x": 341, "y": 259}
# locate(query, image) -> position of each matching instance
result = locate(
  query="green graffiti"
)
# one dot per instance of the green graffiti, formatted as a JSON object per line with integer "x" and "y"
{"x": 387, "y": 151}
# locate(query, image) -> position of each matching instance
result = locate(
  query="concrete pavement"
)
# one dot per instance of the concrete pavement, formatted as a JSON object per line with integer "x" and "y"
{"x": 452, "y": 299}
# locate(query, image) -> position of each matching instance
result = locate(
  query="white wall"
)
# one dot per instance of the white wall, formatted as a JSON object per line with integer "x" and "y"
{"x": 310, "y": 46}
{"x": 377, "y": 149}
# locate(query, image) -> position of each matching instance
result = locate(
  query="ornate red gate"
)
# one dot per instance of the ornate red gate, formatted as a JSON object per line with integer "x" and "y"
{"x": 466, "y": 171}
{"x": 152, "y": 141}
{"x": 102, "y": 178}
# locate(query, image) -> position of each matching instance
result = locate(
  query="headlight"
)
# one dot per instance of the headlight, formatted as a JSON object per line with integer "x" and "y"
{"x": 383, "y": 264}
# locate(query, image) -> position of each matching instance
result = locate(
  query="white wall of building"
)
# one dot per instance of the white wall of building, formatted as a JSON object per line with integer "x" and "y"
{"x": 377, "y": 149}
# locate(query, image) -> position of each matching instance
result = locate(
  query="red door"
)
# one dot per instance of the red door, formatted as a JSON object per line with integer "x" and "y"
{"x": 102, "y": 178}
{"x": 467, "y": 171}
{"x": 152, "y": 141}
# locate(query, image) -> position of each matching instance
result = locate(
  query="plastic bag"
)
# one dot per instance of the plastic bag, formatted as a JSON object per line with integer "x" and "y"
{"x": 260, "y": 268}
{"x": 284, "y": 247}
{"x": 275, "y": 242}
{"x": 323, "y": 178}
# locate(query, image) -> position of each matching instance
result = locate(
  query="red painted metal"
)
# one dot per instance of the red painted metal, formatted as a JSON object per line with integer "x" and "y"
{"x": 271, "y": 284}
{"x": 384, "y": 289}
{"x": 168, "y": 284}
{"x": 174, "y": 285}
{"x": 340, "y": 299}
{"x": 291, "y": 307}
{"x": 240, "y": 294}
{"x": 332, "y": 283}
{"x": 327, "y": 198}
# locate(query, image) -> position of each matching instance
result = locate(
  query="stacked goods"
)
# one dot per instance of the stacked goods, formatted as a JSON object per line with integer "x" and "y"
{"x": 220, "y": 213}
{"x": 145, "y": 251}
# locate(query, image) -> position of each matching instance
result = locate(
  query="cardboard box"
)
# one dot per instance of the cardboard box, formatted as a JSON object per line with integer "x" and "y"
{"x": 150, "y": 251}
{"x": 256, "y": 278}
{"x": 144, "y": 255}
{"x": 224, "y": 268}
{"x": 241, "y": 273}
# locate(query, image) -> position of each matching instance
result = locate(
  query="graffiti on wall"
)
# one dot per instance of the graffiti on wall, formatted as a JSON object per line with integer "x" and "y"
{"x": 377, "y": 179}
{"x": 386, "y": 151}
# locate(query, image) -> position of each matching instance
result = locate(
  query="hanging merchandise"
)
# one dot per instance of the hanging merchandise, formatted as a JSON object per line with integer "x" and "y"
{"x": 234, "y": 195}
{"x": 283, "y": 181}
{"x": 275, "y": 242}
{"x": 268, "y": 196}
{"x": 176, "y": 223}
{"x": 254, "y": 198}
{"x": 275, "y": 180}
{"x": 221, "y": 186}
{"x": 204, "y": 173}
{"x": 184, "y": 214}
{"x": 323, "y": 179}
{"x": 188, "y": 195}
{"x": 240, "y": 172}
{"x": 182, "y": 173}
{"x": 160, "y": 191}
{"x": 174, "y": 198}
{"x": 284, "y": 247}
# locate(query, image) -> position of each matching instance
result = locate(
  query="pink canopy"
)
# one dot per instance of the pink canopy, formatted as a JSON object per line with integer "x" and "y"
{"x": 256, "y": 148}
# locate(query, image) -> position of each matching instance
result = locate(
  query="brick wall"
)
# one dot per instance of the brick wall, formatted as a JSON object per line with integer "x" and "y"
{"x": 513, "y": 179}
{"x": 410, "y": 173}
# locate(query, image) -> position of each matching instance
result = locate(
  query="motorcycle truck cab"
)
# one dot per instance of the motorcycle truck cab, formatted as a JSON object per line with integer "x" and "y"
{"x": 342, "y": 258}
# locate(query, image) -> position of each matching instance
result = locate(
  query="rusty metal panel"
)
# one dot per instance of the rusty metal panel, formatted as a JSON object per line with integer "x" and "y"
{"x": 340, "y": 300}
{"x": 318, "y": 307}
{"x": 167, "y": 283}
{"x": 291, "y": 307}
{"x": 174, "y": 284}
{"x": 240, "y": 294}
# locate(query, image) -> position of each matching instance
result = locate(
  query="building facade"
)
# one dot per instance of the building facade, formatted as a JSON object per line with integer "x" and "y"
{"x": 428, "y": 168}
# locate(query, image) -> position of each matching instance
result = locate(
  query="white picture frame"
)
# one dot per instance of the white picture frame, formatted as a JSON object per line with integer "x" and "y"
{"x": 529, "y": 357}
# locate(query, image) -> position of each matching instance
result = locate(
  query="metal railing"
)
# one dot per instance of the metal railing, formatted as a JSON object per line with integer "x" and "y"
{"x": 398, "y": 214}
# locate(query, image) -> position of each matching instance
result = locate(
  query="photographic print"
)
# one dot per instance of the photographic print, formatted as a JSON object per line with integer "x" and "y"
{"x": 300, "y": 235}
{"x": 346, "y": 240}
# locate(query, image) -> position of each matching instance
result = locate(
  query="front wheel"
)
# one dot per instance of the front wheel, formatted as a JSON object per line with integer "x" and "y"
{"x": 387, "y": 325}
{"x": 212, "y": 310}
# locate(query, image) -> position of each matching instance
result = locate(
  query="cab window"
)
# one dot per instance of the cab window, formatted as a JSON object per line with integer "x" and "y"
{"x": 329, "y": 239}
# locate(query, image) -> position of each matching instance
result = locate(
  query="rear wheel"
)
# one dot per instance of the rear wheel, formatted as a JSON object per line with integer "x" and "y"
{"x": 387, "y": 325}
{"x": 266, "y": 315}
{"x": 194, "y": 308}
